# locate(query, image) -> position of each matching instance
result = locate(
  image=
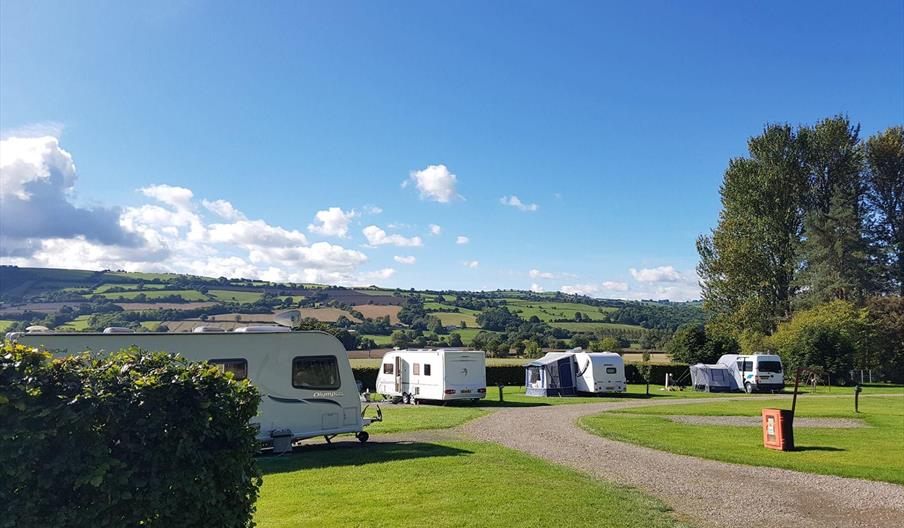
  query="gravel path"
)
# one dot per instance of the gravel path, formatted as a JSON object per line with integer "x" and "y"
{"x": 705, "y": 492}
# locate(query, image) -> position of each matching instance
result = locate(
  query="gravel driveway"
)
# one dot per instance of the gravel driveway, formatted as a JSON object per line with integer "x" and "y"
{"x": 705, "y": 492}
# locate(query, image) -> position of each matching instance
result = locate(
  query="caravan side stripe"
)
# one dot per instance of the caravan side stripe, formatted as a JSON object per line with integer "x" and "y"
{"x": 305, "y": 401}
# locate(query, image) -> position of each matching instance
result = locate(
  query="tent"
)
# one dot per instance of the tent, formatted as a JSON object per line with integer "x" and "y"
{"x": 551, "y": 375}
{"x": 714, "y": 378}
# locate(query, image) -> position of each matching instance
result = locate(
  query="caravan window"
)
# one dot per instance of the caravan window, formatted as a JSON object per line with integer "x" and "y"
{"x": 387, "y": 368}
{"x": 238, "y": 367}
{"x": 417, "y": 369}
{"x": 426, "y": 369}
{"x": 611, "y": 370}
{"x": 315, "y": 372}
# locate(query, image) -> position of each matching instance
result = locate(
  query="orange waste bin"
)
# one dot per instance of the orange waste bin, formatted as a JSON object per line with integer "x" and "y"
{"x": 778, "y": 429}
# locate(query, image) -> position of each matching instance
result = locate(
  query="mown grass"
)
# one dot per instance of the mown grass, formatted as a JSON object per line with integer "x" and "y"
{"x": 874, "y": 452}
{"x": 441, "y": 484}
{"x": 402, "y": 418}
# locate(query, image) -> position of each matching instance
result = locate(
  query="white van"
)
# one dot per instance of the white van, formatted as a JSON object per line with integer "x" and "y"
{"x": 758, "y": 372}
{"x": 441, "y": 375}
{"x": 599, "y": 372}
{"x": 305, "y": 379}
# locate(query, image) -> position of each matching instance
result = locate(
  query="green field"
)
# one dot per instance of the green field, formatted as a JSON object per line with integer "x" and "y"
{"x": 78, "y": 324}
{"x": 592, "y": 327}
{"x": 440, "y": 484}
{"x": 548, "y": 310}
{"x": 380, "y": 340}
{"x": 135, "y": 275}
{"x": 455, "y": 319}
{"x": 6, "y": 323}
{"x": 401, "y": 418}
{"x": 103, "y": 288}
{"x": 874, "y": 452}
{"x": 235, "y": 296}
{"x": 188, "y": 295}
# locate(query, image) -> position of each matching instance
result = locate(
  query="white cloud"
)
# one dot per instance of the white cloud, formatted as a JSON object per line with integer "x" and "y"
{"x": 473, "y": 264}
{"x": 615, "y": 286}
{"x": 377, "y": 237}
{"x": 435, "y": 183}
{"x": 178, "y": 197}
{"x": 332, "y": 222}
{"x": 435, "y": 230}
{"x": 404, "y": 260}
{"x": 255, "y": 233}
{"x": 372, "y": 210}
{"x": 462, "y": 240}
{"x": 659, "y": 274}
{"x": 536, "y": 288}
{"x": 514, "y": 201}
{"x": 537, "y": 274}
{"x": 223, "y": 209}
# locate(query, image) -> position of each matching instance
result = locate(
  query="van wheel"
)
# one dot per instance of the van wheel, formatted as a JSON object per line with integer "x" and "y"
{"x": 362, "y": 436}
{"x": 748, "y": 388}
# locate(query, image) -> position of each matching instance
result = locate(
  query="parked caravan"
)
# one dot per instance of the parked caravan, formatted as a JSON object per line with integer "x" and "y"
{"x": 305, "y": 379}
{"x": 441, "y": 375}
{"x": 599, "y": 372}
{"x": 551, "y": 375}
{"x": 758, "y": 372}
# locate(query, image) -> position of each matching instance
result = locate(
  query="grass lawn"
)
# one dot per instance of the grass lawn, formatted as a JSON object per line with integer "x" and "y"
{"x": 441, "y": 484}
{"x": 236, "y": 296}
{"x": 875, "y": 452}
{"x": 401, "y": 418}
{"x": 515, "y": 396}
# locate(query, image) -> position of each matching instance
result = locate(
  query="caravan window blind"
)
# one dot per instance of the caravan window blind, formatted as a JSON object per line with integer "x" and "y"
{"x": 238, "y": 367}
{"x": 315, "y": 372}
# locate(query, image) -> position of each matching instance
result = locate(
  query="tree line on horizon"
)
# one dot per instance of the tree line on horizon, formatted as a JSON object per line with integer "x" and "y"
{"x": 807, "y": 258}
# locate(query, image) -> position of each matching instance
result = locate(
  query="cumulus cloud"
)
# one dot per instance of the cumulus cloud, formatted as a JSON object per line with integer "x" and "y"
{"x": 462, "y": 240}
{"x": 534, "y": 273}
{"x": 473, "y": 264}
{"x": 37, "y": 180}
{"x": 514, "y": 201}
{"x": 435, "y": 230}
{"x": 536, "y": 288}
{"x": 332, "y": 222}
{"x": 404, "y": 260}
{"x": 223, "y": 209}
{"x": 615, "y": 286}
{"x": 435, "y": 183}
{"x": 378, "y": 237}
{"x": 659, "y": 274}
{"x": 41, "y": 227}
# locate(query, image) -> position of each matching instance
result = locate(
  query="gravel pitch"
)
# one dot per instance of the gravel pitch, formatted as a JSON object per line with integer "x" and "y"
{"x": 756, "y": 421}
{"x": 705, "y": 492}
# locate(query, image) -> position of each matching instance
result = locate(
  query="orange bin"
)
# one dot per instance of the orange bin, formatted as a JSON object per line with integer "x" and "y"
{"x": 778, "y": 429}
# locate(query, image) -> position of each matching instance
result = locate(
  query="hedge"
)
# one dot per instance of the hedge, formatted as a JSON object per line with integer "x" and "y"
{"x": 514, "y": 374}
{"x": 131, "y": 439}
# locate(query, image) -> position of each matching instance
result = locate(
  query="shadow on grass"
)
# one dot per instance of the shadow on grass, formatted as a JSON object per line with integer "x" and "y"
{"x": 352, "y": 454}
{"x": 817, "y": 448}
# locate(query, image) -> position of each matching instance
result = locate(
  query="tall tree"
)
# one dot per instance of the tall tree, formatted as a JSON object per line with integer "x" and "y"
{"x": 884, "y": 177}
{"x": 835, "y": 256}
{"x": 748, "y": 264}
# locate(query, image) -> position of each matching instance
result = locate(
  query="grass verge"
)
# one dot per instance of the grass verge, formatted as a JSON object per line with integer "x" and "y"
{"x": 874, "y": 452}
{"x": 441, "y": 484}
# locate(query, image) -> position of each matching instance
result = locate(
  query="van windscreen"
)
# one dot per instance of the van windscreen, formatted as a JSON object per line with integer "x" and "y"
{"x": 315, "y": 372}
{"x": 769, "y": 366}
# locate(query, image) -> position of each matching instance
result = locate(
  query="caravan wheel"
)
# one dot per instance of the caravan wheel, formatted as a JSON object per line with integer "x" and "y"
{"x": 406, "y": 398}
{"x": 748, "y": 388}
{"x": 362, "y": 436}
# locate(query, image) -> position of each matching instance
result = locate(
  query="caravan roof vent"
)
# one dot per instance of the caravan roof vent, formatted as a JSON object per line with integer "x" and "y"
{"x": 260, "y": 329}
{"x": 208, "y": 330}
{"x": 37, "y": 329}
{"x": 118, "y": 330}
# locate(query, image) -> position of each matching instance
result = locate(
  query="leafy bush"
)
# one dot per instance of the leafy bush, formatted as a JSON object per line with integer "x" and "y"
{"x": 132, "y": 439}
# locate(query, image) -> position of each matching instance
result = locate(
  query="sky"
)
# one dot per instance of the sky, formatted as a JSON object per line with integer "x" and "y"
{"x": 553, "y": 146}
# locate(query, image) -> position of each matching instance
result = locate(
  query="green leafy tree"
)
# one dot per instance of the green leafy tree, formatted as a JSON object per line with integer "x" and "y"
{"x": 885, "y": 349}
{"x": 580, "y": 341}
{"x": 748, "y": 263}
{"x": 688, "y": 345}
{"x": 532, "y": 349}
{"x": 607, "y": 344}
{"x": 455, "y": 341}
{"x": 884, "y": 179}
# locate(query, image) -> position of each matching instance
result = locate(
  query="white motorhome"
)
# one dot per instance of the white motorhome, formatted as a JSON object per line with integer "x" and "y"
{"x": 305, "y": 379}
{"x": 758, "y": 372}
{"x": 442, "y": 375}
{"x": 599, "y": 372}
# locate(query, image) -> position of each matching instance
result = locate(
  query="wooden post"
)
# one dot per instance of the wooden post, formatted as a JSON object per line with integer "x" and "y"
{"x": 794, "y": 398}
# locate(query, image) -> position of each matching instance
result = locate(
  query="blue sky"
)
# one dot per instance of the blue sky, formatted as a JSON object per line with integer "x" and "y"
{"x": 616, "y": 120}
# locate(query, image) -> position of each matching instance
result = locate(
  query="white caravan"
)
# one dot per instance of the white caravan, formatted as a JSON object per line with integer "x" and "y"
{"x": 442, "y": 375}
{"x": 599, "y": 372}
{"x": 305, "y": 379}
{"x": 759, "y": 372}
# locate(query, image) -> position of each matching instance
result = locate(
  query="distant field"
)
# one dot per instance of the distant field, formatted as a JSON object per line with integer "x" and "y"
{"x": 188, "y": 295}
{"x": 380, "y": 340}
{"x": 5, "y": 324}
{"x": 242, "y": 318}
{"x": 374, "y": 311}
{"x": 235, "y": 296}
{"x": 591, "y": 327}
{"x": 143, "y": 276}
{"x": 76, "y": 325}
{"x": 103, "y": 288}
{"x": 549, "y": 311}
{"x": 325, "y": 314}
{"x": 452, "y": 318}
{"x": 137, "y": 306}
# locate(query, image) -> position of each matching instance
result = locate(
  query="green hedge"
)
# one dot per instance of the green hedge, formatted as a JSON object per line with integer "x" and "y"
{"x": 514, "y": 374}
{"x": 132, "y": 439}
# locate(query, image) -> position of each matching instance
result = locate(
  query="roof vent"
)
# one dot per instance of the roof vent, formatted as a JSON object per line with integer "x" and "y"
{"x": 37, "y": 329}
{"x": 208, "y": 330}
{"x": 118, "y": 330}
{"x": 261, "y": 329}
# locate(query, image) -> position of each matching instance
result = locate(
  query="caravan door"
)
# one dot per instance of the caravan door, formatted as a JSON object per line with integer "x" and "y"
{"x": 566, "y": 374}
{"x": 398, "y": 374}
